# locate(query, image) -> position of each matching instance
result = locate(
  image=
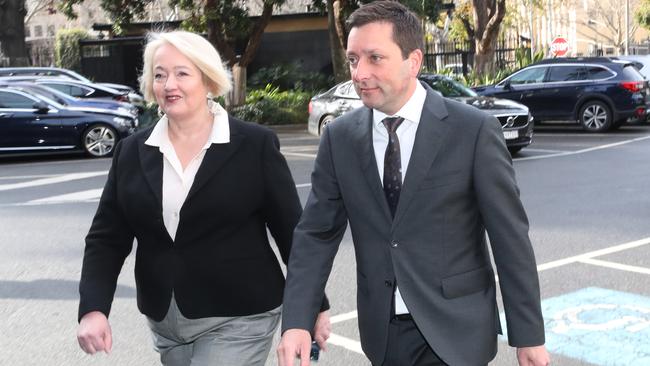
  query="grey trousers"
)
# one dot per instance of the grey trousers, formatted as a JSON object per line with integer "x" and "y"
{"x": 218, "y": 341}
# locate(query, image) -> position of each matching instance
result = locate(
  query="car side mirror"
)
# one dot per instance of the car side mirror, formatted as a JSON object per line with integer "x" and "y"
{"x": 506, "y": 85}
{"x": 41, "y": 107}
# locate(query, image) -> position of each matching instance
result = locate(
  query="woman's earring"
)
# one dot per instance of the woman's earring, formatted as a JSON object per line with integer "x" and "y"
{"x": 160, "y": 112}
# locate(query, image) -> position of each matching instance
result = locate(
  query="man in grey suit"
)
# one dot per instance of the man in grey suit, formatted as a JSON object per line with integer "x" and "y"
{"x": 420, "y": 179}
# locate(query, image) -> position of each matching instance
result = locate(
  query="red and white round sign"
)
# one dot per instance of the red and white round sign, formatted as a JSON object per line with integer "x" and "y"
{"x": 559, "y": 47}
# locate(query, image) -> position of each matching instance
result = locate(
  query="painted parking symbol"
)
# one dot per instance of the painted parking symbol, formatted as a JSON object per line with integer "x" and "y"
{"x": 599, "y": 326}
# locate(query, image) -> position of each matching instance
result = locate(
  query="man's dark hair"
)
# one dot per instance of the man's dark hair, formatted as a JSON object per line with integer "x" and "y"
{"x": 407, "y": 30}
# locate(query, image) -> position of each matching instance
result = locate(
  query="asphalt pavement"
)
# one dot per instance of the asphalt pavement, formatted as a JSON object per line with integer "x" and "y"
{"x": 586, "y": 196}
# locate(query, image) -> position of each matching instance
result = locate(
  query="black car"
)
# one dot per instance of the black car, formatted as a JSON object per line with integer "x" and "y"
{"x": 517, "y": 123}
{"x": 29, "y": 124}
{"x": 599, "y": 93}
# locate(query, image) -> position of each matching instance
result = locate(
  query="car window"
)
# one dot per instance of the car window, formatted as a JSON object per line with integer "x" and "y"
{"x": 598, "y": 72}
{"x": 347, "y": 90}
{"x": 449, "y": 88}
{"x": 60, "y": 87}
{"x": 529, "y": 76}
{"x": 631, "y": 73}
{"x": 566, "y": 73}
{"x": 17, "y": 101}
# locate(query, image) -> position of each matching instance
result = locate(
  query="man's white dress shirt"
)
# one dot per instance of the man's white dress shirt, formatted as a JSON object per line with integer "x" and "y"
{"x": 411, "y": 112}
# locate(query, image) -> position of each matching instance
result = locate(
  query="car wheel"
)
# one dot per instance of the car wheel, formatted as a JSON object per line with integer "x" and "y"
{"x": 515, "y": 149}
{"x": 595, "y": 116}
{"x": 99, "y": 140}
{"x": 324, "y": 122}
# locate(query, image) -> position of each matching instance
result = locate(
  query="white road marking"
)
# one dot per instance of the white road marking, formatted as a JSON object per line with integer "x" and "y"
{"x": 14, "y": 177}
{"x": 528, "y": 149}
{"x": 347, "y": 343}
{"x": 343, "y": 317}
{"x": 91, "y": 195}
{"x": 302, "y": 155}
{"x": 599, "y": 147}
{"x": 619, "y": 266}
{"x": 51, "y": 180}
{"x": 590, "y": 255}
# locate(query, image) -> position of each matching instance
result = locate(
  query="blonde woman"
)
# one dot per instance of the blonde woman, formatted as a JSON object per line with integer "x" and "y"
{"x": 198, "y": 191}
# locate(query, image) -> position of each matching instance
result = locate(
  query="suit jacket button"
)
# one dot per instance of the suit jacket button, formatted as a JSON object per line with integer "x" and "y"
{"x": 394, "y": 244}
{"x": 388, "y": 283}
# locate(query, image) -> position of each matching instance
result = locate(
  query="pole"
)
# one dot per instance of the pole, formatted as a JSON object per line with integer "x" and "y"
{"x": 627, "y": 27}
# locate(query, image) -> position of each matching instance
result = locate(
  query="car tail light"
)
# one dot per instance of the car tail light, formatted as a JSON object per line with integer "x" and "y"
{"x": 309, "y": 107}
{"x": 639, "y": 112}
{"x": 633, "y": 86}
{"x": 122, "y": 98}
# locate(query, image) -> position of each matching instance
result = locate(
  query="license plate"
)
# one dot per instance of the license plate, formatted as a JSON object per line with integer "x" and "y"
{"x": 509, "y": 135}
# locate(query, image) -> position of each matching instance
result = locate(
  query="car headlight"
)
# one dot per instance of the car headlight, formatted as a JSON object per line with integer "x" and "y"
{"x": 122, "y": 121}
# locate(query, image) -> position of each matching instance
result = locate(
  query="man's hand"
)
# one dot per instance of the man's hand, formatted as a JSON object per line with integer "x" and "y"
{"x": 533, "y": 356}
{"x": 294, "y": 343}
{"x": 322, "y": 329}
{"x": 94, "y": 333}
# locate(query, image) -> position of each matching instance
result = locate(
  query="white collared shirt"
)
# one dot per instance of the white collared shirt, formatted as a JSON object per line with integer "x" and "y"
{"x": 411, "y": 112}
{"x": 177, "y": 182}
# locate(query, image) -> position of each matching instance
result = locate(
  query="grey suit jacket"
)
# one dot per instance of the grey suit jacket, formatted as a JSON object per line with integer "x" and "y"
{"x": 459, "y": 183}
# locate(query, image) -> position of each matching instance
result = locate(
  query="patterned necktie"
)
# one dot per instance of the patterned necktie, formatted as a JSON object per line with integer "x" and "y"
{"x": 392, "y": 164}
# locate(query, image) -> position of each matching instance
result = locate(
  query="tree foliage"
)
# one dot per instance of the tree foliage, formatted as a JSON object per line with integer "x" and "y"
{"x": 66, "y": 48}
{"x": 339, "y": 10}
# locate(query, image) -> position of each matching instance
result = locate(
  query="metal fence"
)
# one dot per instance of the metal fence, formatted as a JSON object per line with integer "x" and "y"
{"x": 458, "y": 57}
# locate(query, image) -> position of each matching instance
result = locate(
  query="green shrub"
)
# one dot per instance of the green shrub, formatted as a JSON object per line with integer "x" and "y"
{"x": 290, "y": 77}
{"x": 270, "y": 106}
{"x": 66, "y": 48}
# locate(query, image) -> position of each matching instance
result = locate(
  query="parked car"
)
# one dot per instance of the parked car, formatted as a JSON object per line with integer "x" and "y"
{"x": 58, "y": 72}
{"x": 80, "y": 89}
{"x": 599, "y": 93}
{"x": 87, "y": 105}
{"x": 29, "y": 124}
{"x": 515, "y": 119}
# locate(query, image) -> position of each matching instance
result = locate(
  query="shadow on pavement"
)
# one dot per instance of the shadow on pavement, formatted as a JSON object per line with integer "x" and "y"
{"x": 51, "y": 290}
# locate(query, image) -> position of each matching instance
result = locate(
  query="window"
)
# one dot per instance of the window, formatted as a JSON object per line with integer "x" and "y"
{"x": 529, "y": 76}
{"x": 95, "y": 51}
{"x": 15, "y": 101}
{"x": 347, "y": 90}
{"x": 38, "y": 31}
{"x": 566, "y": 73}
{"x": 598, "y": 73}
{"x": 28, "y": 32}
{"x": 50, "y": 31}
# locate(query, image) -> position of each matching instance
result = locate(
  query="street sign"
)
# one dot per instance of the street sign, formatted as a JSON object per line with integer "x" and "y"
{"x": 559, "y": 47}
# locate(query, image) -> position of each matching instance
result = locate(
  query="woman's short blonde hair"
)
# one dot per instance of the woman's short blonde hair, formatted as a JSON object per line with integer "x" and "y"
{"x": 198, "y": 50}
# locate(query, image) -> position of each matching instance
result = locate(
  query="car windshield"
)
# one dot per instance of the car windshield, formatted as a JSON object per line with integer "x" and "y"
{"x": 56, "y": 95}
{"x": 449, "y": 88}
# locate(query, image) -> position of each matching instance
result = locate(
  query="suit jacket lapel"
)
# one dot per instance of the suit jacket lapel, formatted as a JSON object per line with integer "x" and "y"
{"x": 366, "y": 153}
{"x": 151, "y": 160}
{"x": 428, "y": 138}
{"x": 215, "y": 157}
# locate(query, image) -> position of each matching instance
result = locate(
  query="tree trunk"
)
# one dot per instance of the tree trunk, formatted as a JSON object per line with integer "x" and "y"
{"x": 337, "y": 37}
{"x": 239, "y": 67}
{"x": 488, "y": 15}
{"x": 13, "y": 50}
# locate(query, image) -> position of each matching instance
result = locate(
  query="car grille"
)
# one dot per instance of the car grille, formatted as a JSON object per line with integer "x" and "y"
{"x": 509, "y": 121}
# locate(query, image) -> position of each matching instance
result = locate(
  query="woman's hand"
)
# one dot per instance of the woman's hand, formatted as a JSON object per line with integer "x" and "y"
{"x": 94, "y": 333}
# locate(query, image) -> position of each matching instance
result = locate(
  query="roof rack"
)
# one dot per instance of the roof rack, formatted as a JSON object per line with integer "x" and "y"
{"x": 559, "y": 60}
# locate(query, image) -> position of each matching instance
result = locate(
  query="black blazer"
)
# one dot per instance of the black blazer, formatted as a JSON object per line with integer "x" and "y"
{"x": 221, "y": 263}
